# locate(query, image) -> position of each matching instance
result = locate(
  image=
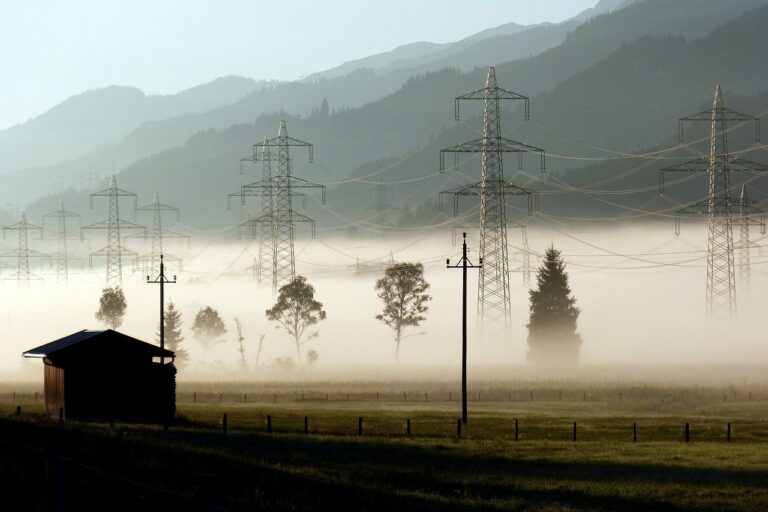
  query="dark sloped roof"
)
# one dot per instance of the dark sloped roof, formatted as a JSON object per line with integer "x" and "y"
{"x": 62, "y": 344}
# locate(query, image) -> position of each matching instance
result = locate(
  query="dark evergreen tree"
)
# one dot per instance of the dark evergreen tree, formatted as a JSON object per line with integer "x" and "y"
{"x": 552, "y": 336}
{"x": 173, "y": 337}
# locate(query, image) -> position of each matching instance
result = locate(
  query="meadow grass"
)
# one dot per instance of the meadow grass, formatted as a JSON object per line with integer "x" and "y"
{"x": 130, "y": 465}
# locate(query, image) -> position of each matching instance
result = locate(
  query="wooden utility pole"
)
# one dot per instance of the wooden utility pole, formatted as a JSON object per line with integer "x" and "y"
{"x": 464, "y": 264}
{"x": 162, "y": 280}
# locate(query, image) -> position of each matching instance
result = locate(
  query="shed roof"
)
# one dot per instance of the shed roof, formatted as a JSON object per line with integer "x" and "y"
{"x": 61, "y": 345}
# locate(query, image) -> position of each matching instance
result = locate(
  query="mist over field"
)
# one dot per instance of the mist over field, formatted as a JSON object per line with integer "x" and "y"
{"x": 640, "y": 289}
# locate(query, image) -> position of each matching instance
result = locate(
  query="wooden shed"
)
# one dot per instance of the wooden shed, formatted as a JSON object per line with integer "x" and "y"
{"x": 106, "y": 375}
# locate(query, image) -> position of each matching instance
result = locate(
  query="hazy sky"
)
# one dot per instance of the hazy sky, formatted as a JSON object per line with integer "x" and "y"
{"x": 50, "y": 50}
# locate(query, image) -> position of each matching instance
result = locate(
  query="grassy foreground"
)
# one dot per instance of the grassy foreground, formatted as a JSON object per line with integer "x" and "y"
{"x": 194, "y": 466}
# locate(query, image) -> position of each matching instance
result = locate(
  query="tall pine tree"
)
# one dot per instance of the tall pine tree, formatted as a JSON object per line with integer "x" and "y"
{"x": 552, "y": 336}
{"x": 173, "y": 336}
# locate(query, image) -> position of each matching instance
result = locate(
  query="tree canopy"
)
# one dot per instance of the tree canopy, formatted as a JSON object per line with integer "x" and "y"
{"x": 296, "y": 310}
{"x": 112, "y": 306}
{"x": 208, "y": 326}
{"x": 403, "y": 291}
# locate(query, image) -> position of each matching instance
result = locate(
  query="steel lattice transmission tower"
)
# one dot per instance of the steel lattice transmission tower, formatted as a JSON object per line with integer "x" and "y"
{"x": 493, "y": 296}
{"x": 718, "y": 207}
{"x": 261, "y": 270}
{"x": 23, "y": 252}
{"x": 525, "y": 254}
{"x": 62, "y": 235}
{"x": 150, "y": 263}
{"x": 281, "y": 217}
{"x": 114, "y": 225}
{"x": 749, "y": 215}
{"x": 524, "y": 251}
{"x": 381, "y": 197}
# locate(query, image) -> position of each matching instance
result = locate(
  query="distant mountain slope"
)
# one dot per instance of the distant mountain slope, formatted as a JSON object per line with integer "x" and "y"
{"x": 298, "y": 98}
{"x": 467, "y": 53}
{"x": 671, "y": 70}
{"x": 104, "y": 116}
{"x": 380, "y": 60}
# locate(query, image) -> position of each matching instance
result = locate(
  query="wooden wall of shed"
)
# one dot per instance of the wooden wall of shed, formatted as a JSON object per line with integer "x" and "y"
{"x": 138, "y": 392}
{"x": 54, "y": 391}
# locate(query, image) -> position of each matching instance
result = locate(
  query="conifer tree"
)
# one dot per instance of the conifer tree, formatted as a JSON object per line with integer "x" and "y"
{"x": 173, "y": 337}
{"x": 552, "y": 336}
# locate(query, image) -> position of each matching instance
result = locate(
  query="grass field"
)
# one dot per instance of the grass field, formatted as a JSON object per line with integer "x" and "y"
{"x": 194, "y": 465}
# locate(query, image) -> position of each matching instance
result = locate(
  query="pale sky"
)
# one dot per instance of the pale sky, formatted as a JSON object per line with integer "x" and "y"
{"x": 50, "y": 50}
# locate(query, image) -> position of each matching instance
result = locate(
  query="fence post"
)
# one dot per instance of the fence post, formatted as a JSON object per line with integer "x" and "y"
{"x": 274, "y": 398}
{"x": 408, "y": 427}
{"x": 687, "y": 432}
{"x": 574, "y": 431}
{"x": 584, "y": 397}
{"x": 14, "y": 396}
{"x": 306, "y": 425}
{"x": 224, "y": 424}
{"x": 559, "y": 396}
{"x": 221, "y": 397}
{"x": 458, "y": 429}
{"x": 479, "y": 397}
{"x": 245, "y": 398}
{"x": 360, "y": 426}
{"x": 516, "y": 431}
{"x": 405, "y": 397}
{"x": 194, "y": 397}
{"x": 450, "y": 396}
{"x": 18, "y": 410}
{"x": 347, "y": 397}
{"x": 750, "y": 396}
{"x": 302, "y": 396}
{"x": 729, "y": 432}
{"x": 269, "y": 423}
{"x": 634, "y": 432}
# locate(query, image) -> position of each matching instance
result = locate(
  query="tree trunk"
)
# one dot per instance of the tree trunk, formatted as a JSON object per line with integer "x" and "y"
{"x": 397, "y": 347}
{"x": 298, "y": 352}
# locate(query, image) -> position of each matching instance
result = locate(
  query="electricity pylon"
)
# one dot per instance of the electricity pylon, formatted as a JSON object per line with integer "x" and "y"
{"x": 749, "y": 215}
{"x": 493, "y": 296}
{"x": 261, "y": 270}
{"x": 525, "y": 254}
{"x": 114, "y": 250}
{"x": 150, "y": 263}
{"x": 524, "y": 251}
{"x": 23, "y": 252}
{"x": 381, "y": 197}
{"x": 718, "y": 207}
{"x": 62, "y": 235}
{"x": 282, "y": 218}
